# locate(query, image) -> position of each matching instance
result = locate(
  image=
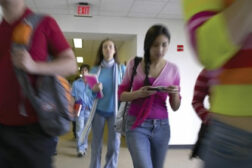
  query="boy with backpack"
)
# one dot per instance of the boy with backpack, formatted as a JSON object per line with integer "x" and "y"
{"x": 23, "y": 143}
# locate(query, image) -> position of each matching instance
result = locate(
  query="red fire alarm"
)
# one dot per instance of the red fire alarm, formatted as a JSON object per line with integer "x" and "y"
{"x": 180, "y": 48}
{"x": 83, "y": 9}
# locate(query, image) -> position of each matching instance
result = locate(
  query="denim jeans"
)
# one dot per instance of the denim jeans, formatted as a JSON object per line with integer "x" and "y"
{"x": 148, "y": 143}
{"x": 80, "y": 124}
{"x": 228, "y": 147}
{"x": 113, "y": 146}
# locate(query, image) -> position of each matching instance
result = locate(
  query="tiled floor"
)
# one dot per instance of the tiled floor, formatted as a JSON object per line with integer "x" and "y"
{"x": 66, "y": 158}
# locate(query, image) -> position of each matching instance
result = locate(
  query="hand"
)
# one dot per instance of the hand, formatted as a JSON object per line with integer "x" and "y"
{"x": 144, "y": 92}
{"x": 22, "y": 59}
{"x": 172, "y": 89}
{"x": 97, "y": 87}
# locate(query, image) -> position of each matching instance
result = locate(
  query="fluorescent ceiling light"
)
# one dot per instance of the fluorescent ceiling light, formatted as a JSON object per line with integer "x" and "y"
{"x": 77, "y": 42}
{"x": 80, "y": 59}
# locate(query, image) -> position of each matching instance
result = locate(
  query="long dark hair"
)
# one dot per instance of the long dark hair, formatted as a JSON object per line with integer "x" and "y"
{"x": 99, "y": 56}
{"x": 151, "y": 35}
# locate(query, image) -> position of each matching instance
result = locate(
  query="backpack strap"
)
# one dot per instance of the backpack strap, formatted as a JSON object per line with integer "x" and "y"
{"x": 32, "y": 20}
{"x": 137, "y": 60}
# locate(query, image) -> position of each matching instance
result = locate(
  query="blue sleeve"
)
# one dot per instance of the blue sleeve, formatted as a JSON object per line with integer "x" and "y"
{"x": 91, "y": 96}
{"x": 94, "y": 70}
{"x": 74, "y": 89}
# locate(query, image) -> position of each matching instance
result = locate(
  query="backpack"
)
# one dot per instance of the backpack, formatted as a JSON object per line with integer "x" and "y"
{"x": 51, "y": 98}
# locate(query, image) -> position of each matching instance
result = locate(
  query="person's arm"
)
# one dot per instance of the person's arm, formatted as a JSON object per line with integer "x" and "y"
{"x": 64, "y": 64}
{"x": 137, "y": 94}
{"x": 174, "y": 92}
{"x": 175, "y": 101}
{"x": 123, "y": 91}
{"x": 217, "y": 31}
{"x": 73, "y": 92}
{"x": 201, "y": 90}
{"x": 97, "y": 88}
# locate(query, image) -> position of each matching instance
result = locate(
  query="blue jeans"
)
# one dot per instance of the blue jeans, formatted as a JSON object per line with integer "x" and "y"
{"x": 113, "y": 146}
{"x": 228, "y": 147}
{"x": 80, "y": 124}
{"x": 148, "y": 143}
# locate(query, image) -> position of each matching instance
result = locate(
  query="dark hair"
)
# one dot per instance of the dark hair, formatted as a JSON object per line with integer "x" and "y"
{"x": 84, "y": 66}
{"x": 99, "y": 56}
{"x": 151, "y": 35}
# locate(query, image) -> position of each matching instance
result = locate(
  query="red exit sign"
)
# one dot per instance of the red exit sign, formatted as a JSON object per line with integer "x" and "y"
{"x": 180, "y": 48}
{"x": 83, "y": 10}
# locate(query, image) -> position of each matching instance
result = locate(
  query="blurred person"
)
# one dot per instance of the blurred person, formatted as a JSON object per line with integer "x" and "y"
{"x": 110, "y": 77}
{"x": 147, "y": 128}
{"x": 201, "y": 91}
{"x": 82, "y": 92}
{"x": 23, "y": 143}
{"x": 220, "y": 33}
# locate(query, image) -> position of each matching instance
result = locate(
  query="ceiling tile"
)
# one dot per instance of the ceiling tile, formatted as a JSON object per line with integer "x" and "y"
{"x": 173, "y": 8}
{"x": 53, "y": 11}
{"x": 88, "y": 1}
{"x": 146, "y": 7}
{"x": 116, "y": 5}
{"x": 51, "y": 4}
{"x": 170, "y": 16}
{"x": 113, "y": 13}
{"x": 142, "y": 15}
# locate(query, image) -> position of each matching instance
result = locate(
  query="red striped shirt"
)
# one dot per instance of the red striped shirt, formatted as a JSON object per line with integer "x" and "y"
{"x": 201, "y": 90}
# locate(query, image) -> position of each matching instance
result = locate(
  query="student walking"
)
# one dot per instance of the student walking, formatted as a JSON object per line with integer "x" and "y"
{"x": 147, "y": 129}
{"x": 23, "y": 143}
{"x": 83, "y": 95}
{"x": 110, "y": 76}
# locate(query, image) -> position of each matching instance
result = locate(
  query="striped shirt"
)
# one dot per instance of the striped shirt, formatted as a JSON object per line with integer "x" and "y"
{"x": 231, "y": 92}
{"x": 201, "y": 90}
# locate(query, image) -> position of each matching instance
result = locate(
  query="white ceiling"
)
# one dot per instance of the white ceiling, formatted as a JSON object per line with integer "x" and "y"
{"x": 162, "y": 9}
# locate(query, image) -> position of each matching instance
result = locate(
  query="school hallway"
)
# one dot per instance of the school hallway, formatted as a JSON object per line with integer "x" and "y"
{"x": 67, "y": 158}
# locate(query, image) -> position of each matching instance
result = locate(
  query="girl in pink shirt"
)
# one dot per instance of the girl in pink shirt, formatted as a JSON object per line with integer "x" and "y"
{"x": 147, "y": 130}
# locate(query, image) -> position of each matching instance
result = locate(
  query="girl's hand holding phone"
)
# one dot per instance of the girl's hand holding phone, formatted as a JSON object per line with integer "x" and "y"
{"x": 172, "y": 89}
{"x": 145, "y": 92}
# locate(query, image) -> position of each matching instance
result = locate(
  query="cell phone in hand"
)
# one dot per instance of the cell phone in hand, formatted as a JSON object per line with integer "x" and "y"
{"x": 158, "y": 89}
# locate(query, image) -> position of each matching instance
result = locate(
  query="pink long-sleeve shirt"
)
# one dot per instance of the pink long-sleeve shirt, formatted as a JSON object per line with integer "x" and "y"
{"x": 168, "y": 76}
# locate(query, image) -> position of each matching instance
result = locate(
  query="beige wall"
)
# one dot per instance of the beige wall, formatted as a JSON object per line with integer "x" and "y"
{"x": 127, "y": 50}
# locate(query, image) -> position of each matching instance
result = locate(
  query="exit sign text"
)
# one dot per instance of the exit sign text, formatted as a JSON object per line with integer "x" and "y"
{"x": 83, "y": 10}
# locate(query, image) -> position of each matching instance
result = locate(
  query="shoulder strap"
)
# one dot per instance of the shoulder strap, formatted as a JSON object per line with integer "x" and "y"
{"x": 137, "y": 60}
{"x": 33, "y": 20}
